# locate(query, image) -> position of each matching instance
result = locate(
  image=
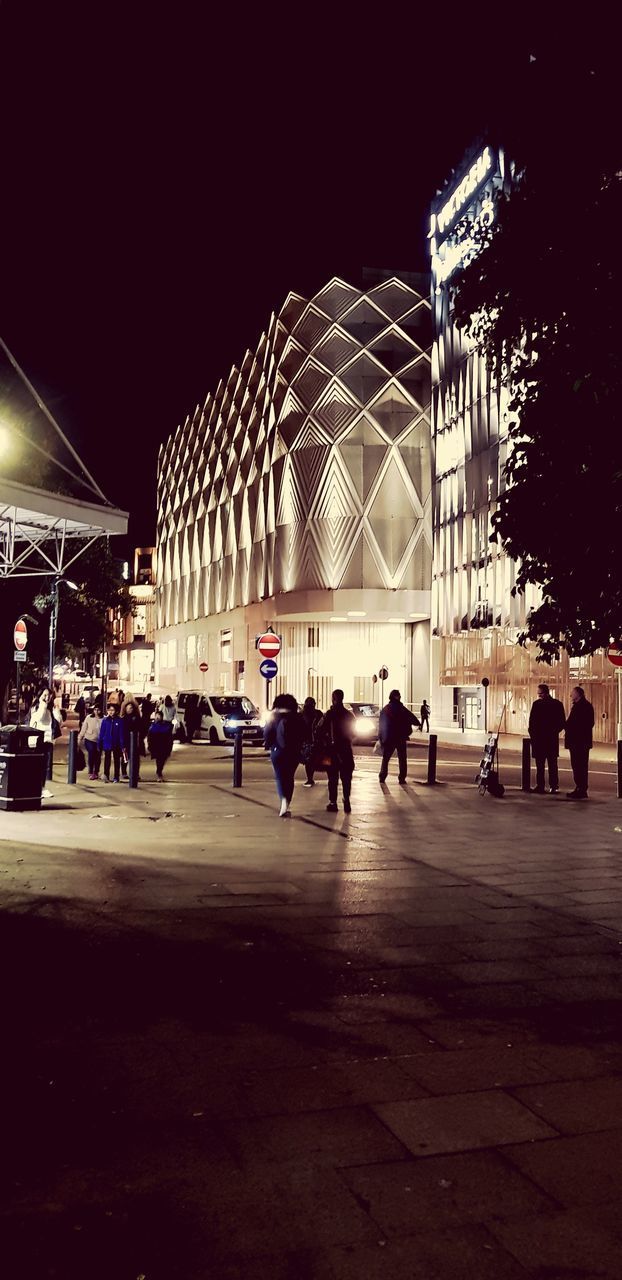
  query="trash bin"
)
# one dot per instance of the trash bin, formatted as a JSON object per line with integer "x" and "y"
{"x": 21, "y": 767}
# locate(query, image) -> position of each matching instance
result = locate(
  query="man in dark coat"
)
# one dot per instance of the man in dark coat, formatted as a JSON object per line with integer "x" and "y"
{"x": 396, "y": 723}
{"x": 546, "y": 721}
{"x": 336, "y": 732}
{"x": 579, "y": 726}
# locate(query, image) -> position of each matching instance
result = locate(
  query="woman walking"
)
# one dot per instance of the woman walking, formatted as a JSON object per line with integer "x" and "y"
{"x": 160, "y": 739}
{"x": 283, "y": 738}
{"x": 45, "y": 717}
{"x": 89, "y": 738}
{"x": 310, "y": 718}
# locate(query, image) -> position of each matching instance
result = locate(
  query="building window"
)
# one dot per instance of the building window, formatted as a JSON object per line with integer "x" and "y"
{"x": 226, "y": 645}
{"x": 191, "y": 650}
{"x": 140, "y": 620}
{"x": 313, "y": 637}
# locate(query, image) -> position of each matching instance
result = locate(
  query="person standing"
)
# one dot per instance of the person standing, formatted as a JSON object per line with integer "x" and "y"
{"x": 160, "y": 740}
{"x": 311, "y": 718}
{"x": 578, "y": 741}
{"x": 424, "y": 715}
{"x": 131, "y": 723}
{"x": 110, "y": 741}
{"x": 337, "y": 733}
{"x": 89, "y": 737}
{"x": 45, "y": 717}
{"x": 283, "y": 738}
{"x": 192, "y": 716}
{"x": 546, "y": 721}
{"x": 396, "y": 723}
{"x": 168, "y": 708}
{"x": 80, "y": 710}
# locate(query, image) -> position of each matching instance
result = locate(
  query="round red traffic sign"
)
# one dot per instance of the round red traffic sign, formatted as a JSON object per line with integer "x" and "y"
{"x": 203, "y": 666}
{"x": 20, "y": 635}
{"x": 269, "y": 645}
{"x": 614, "y": 654}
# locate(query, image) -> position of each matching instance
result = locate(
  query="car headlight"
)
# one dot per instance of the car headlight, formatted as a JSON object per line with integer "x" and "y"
{"x": 364, "y": 724}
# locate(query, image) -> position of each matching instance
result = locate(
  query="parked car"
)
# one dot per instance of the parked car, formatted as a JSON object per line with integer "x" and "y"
{"x": 367, "y": 715}
{"x": 221, "y": 715}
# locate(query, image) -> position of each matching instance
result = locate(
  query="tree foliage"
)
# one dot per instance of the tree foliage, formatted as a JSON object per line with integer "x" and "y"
{"x": 543, "y": 299}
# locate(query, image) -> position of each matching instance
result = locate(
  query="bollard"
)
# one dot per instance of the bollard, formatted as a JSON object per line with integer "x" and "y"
{"x": 237, "y": 758}
{"x": 133, "y": 761}
{"x": 72, "y": 755}
{"x": 432, "y": 740}
{"x": 49, "y": 764}
{"x": 619, "y": 769}
{"x": 526, "y": 765}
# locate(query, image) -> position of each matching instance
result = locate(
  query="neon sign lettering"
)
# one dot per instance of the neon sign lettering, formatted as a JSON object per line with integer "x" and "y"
{"x": 465, "y": 247}
{"x": 461, "y": 194}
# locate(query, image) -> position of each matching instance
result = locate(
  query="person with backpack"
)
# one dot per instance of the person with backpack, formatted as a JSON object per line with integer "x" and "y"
{"x": 311, "y": 718}
{"x": 336, "y": 734}
{"x": 283, "y": 737}
{"x": 396, "y": 724}
{"x": 160, "y": 739}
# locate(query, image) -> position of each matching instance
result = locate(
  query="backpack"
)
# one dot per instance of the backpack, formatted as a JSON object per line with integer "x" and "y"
{"x": 288, "y": 733}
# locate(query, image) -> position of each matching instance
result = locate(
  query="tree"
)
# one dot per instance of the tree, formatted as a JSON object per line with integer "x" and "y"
{"x": 543, "y": 299}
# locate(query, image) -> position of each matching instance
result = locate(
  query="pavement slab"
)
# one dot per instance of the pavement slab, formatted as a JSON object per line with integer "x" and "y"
{"x": 382, "y": 1044}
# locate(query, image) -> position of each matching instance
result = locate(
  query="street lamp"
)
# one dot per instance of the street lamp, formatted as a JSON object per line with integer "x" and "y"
{"x": 54, "y": 620}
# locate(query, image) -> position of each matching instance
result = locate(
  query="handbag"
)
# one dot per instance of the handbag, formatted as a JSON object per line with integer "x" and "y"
{"x": 378, "y": 748}
{"x": 324, "y": 747}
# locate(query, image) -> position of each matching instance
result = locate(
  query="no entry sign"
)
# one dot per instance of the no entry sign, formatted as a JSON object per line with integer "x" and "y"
{"x": 269, "y": 645}
{"x": 20, "y": 635}
{"x": 203, "y": 666}
{"x": 614, "y": 654}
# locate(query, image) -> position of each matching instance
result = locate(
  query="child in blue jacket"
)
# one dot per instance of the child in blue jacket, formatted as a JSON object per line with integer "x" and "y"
{"x": 111, "y": 741}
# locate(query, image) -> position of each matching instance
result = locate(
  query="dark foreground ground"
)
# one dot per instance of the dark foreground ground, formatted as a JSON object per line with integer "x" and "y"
{"x": 326, "y": 1049}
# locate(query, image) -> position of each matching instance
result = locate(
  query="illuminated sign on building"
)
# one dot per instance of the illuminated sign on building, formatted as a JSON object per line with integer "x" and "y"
{"x": 461, "y": 195}
{"x": 465, "y": 247}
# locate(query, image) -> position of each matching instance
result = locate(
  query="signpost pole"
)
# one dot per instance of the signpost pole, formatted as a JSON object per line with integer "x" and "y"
{"x": 17, "y": 690}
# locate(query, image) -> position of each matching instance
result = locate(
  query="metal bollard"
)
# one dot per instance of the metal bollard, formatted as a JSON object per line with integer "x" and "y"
{"x": 619, "y": 769}
{"x": 237, "y": 758}
{"x": 72, "y": 755}
{"x": 526, "y": 765}
{"x": 49, "y": 764}
{"x": 133, "y": 762}
{"x": 432, "y": 740}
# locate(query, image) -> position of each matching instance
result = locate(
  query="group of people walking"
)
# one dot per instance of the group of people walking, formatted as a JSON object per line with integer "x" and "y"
{"x": 323, "y": 742}
{"x": 109, "y": 737}
{"x": 547, "y": 719}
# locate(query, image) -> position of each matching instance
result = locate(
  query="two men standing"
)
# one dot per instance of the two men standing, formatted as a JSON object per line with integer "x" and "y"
{"x": 546, "y": 721}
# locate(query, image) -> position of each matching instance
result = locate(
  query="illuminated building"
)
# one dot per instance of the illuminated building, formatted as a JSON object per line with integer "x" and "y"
{"x": 299, "y": 496}
{"x": 476, "y": 620}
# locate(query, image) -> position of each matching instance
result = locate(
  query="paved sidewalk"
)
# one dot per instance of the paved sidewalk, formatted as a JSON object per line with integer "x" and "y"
{"x": 384, "y": 1045}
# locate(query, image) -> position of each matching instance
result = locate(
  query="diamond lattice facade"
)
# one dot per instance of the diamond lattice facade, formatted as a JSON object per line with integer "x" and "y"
{"x": 304, "y": 482}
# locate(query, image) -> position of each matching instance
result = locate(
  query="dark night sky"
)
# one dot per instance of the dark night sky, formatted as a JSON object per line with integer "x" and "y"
{"x": 168, "y": 180}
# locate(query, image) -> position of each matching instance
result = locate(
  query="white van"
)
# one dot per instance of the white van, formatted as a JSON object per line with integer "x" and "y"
{"x": 221, "y": 714}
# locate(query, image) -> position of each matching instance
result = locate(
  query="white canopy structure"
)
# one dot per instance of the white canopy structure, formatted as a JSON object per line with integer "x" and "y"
{"x": 42, "y": 533}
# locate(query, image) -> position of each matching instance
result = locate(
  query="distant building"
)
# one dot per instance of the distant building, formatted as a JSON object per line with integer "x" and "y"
{"x": 131, "y": 658}
{"x": 476, "y": 620}
{"x": 299, "y": 496}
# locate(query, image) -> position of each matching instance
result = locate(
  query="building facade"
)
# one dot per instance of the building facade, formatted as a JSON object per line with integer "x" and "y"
{"x": 131, "y": 653}
{"x": 299, "y": 496}
{"x": 476, "y": 620}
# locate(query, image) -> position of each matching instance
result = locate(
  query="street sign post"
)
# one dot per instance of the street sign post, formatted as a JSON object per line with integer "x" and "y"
{"x": 383, "y": 675}
{"x": 268, "y": 669}
{"x": 20, "y": 640}
{"x": 614, "y": 654}
{"x": 269, "y": 645}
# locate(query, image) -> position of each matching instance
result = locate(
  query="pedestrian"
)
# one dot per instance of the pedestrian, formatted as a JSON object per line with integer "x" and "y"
{"x": 130, "y": 724}
{"x": 168, "y": 708}
{"x": 80, "y": 709}
{"x": 283, "y": 738}
{"x": 396, "y": 724}
{"x": 160, "y": 739}
{"x": 424, "y": 715}
{"x": 89, "y": 737}
{"x": 546, "y": 721}
{"x": 192, "y": 716}
{"x": 310, "y": 718}
{"x": 47, "y": 718}
{"x": 578, "y": 741}
{"x": 111, "y": 741}
{"x": 336, "y": 733}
